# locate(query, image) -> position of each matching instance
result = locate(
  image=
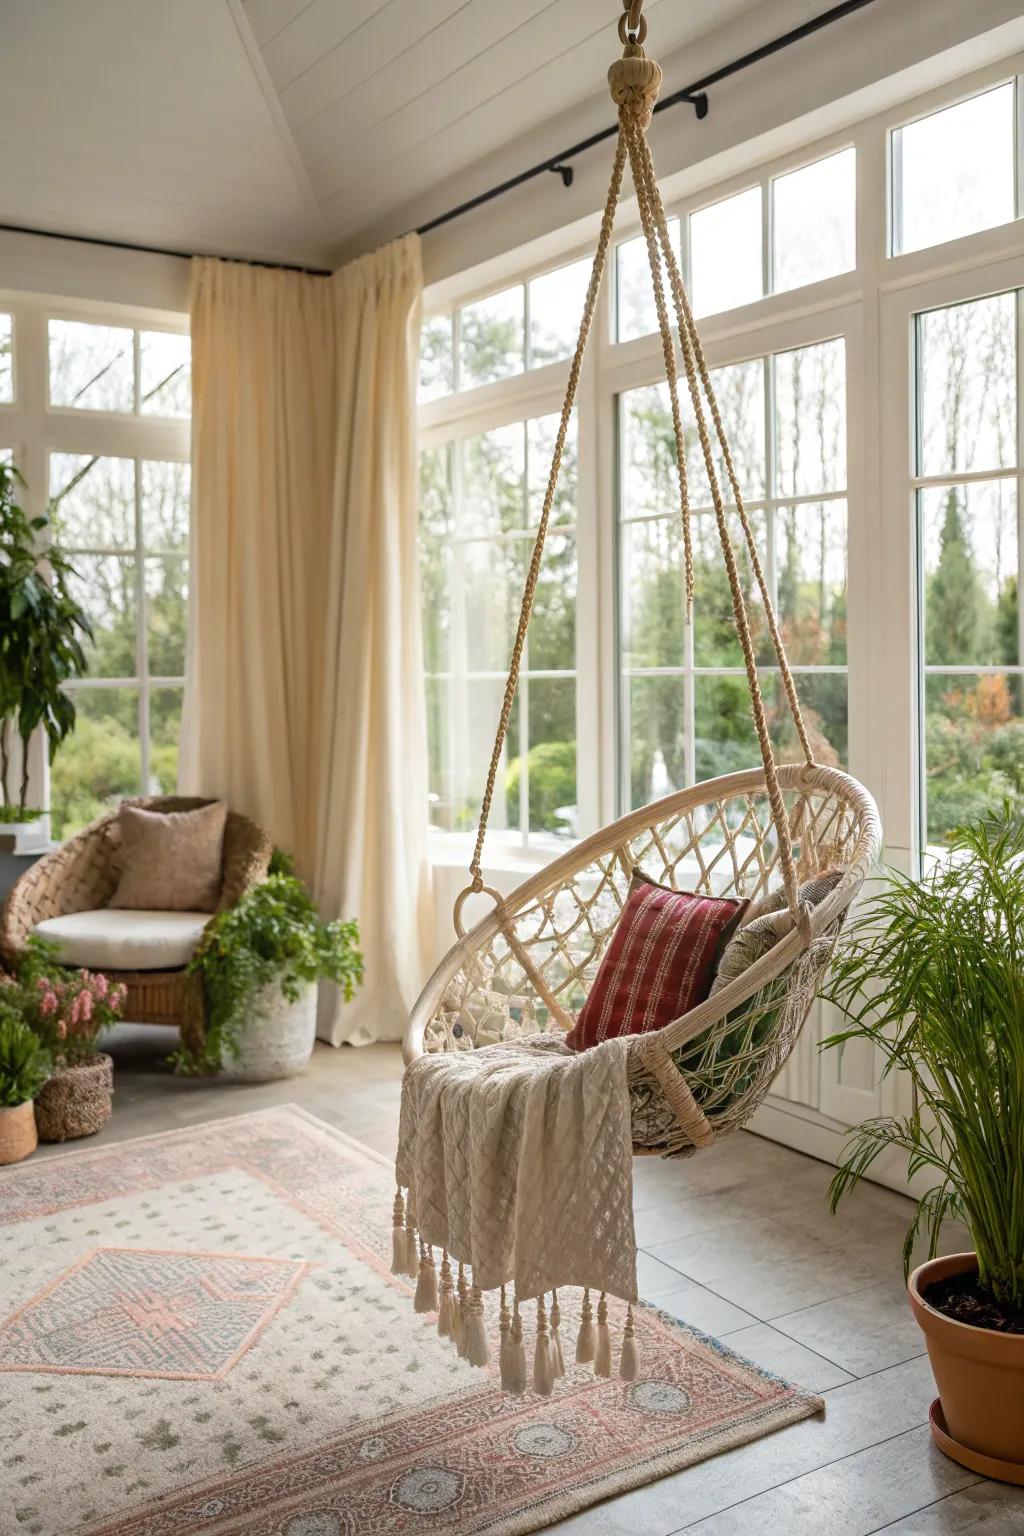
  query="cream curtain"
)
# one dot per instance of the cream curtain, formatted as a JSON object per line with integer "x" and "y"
{"x": 303, "y": 703}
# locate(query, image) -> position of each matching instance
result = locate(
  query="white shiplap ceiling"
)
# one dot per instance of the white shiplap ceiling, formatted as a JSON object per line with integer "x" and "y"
{"x": 286, "y": 129}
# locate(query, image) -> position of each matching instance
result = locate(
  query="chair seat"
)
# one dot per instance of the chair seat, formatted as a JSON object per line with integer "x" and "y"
{"x": 125, "y": 940}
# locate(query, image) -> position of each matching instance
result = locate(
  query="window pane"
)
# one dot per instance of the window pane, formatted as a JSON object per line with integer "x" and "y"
{"x": 164, "y": 735}
{"x": 492, "y": 339}
{"x": 724, "y": 736}
{"x": 105, "y": 587}
{"x": 636, "y": 312}
{"x": 552, "y": 759}
{"x": 437, "y": 358}
{"x": 439, "y": 753}
{"x": 164, "y": 489}
{"x": 974, "y": 742}
{"x": 93, "y": 500}
{"x": 91, "y": 366}
{"x": 165, "y": 374}
{"x": 167, "y": 614}
{"x": 811, "y": 575}
{"x": 487, "y": 586}
{"x": 6, "y": 360}
{"x": 969, "y": 549}
{"x": 650, "y": 479}
{"x": 810, "y": 419}
{"x": 823, "y": 704}
{"x": 967, "y": 361}
{"x": 954, "y": 171}
{"x": 556, "y": 309}
{"x": 551, "y": 641}
{"x": 483, "y": 699}
{"x": 814, "y": 221}
{"x": 540, "y": 438}
{"x": 715, "y": 642}
{"x": 651, "y": 583}
{"x": 493, "y": 482}
{"x": 654, "y": 725}
{"x": 100, "y": 762}
{"x": 725, "y": 253}
{"x": 739, "y": 390}
{"x": 435, "y": 555}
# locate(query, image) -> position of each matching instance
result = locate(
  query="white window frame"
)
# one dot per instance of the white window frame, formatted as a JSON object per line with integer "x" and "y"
{"x": 872, "y": 307}
{"x": 33, "y": 429}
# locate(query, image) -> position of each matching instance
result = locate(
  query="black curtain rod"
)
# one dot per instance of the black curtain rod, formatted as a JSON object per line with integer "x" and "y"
{"x": 156, "y": 250}
{"x": 694, "y": 95}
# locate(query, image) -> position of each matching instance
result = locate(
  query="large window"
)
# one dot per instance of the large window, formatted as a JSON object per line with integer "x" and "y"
{"x": 967, "y": 464}
{"x": 684, "y": 708}
{"x": 861, "y": 318}
{"x": 96, "y": 420}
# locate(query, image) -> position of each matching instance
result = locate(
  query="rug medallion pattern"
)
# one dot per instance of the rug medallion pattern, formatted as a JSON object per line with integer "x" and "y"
{"x": 200, "y": 1333}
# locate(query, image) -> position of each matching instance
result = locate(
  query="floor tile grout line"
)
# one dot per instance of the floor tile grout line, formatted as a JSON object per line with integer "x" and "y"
{"x": 879, "y": 1530}
{"x": 835, "y": 1462}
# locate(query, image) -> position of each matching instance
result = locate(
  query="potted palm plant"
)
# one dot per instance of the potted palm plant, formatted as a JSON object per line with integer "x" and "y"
{"x": 258, "y": 965}
{"x": 42, "y": 629}
{"x": 932, "y": 974}
{"x": 24, "y": 1068}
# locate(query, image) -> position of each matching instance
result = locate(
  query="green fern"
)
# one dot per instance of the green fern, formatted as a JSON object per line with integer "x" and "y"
{"x": 932, "y": 974}
{"x": 24, "y": 1065}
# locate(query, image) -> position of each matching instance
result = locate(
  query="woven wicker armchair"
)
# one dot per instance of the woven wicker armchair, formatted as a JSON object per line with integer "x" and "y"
{"x": 82, "y": 875}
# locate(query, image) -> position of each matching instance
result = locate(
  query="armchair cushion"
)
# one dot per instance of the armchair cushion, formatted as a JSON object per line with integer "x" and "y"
{"x": 171, "y": 861}
{"x": 118, "y": 940}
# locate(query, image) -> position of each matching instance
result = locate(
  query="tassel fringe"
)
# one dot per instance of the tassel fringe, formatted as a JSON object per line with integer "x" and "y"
{"x": 474, "y": 1332}
{"x": 398, "y": 1235}
{"x": 517, "y": 1355}
{"x": 505, "y": 1350}
{"x": 425, "y": 1299}
{"x": 586, "y": 1339}
{"x": 557, "y": 1358}
{"x": 543, "y": 1367}
{"x": 412, "y": 1257}
{"x": 445, "y": 1318}
{"x": 461, "y": 1314}
{"x": 629, "y": 1364}
{"x": 603, "y": 1356}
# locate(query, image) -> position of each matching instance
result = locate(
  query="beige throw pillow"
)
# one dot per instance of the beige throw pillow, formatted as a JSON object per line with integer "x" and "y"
{"x": 171, "y": 860}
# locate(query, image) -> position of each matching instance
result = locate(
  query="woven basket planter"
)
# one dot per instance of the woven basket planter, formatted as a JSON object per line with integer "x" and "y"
{"x": 17, "y": 1132}
{"x": 76, "y": 1101}
{"x": 278, "y": 1037}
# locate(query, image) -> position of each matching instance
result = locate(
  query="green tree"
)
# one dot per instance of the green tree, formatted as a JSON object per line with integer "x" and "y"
{"x": 958, "y": 614}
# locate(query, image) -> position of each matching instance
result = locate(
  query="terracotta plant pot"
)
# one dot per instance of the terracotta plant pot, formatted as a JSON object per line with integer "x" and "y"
{"x": 76, "y": 1101}
{"x": 18, "y": 1132}
{"x": 980, "y": 1376}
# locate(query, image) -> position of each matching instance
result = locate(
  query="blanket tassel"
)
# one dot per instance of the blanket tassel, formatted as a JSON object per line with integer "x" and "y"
{"x": 586, "y": 1340}
{"x": 445, "y": 1320}
{"x": 412, "y": 1256}
{"x": 517, "y": 1355}
{"x": 398, "y": 1235}
{"x": 557, "y": 1357}
{"x": 461, "y": 1313}
{"x": 505, "y": 1350}
{"x": 603, "y": 1357}
{"x": 543, "y": 1366}
{"x": 425, "y": 1299}
{"x": 475, "y": 1334}
{"x": 629, "y": 1363}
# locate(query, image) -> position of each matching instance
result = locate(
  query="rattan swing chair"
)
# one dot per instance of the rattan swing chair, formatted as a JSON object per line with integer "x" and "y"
{"x": 527, "y": 965}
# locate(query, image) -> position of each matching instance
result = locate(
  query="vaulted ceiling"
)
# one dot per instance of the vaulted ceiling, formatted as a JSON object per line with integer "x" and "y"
{"x": 285, "y": 129}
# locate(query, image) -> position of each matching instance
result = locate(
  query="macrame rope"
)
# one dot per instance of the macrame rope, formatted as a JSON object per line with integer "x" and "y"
{"x": 634, "y": 83}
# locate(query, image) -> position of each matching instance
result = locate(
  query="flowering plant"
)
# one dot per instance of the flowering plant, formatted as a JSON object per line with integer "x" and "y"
{"x": 66, "y": 1011}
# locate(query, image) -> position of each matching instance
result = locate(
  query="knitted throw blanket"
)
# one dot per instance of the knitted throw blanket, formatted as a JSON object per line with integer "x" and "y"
{"x": 517, "y": 1163}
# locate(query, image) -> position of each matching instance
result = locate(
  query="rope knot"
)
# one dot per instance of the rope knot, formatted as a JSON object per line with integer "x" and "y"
{"x": 635, "y": 81}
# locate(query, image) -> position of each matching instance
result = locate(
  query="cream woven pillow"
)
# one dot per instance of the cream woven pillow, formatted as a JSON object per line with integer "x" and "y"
{"x": 171, "y": 860}
{"x": 769, "y": 924}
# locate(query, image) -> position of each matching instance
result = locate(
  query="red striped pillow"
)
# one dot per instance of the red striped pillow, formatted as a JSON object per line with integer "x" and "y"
{"x": 660, "y": 962}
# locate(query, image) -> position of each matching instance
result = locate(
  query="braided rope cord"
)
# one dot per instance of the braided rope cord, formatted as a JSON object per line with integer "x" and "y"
{"x": 634, "y": 87}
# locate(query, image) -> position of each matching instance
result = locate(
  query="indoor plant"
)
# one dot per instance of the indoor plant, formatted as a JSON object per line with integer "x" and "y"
{"x": 66, "y": 1010}
{"x": 932, "y": 974}
{"x": 24, "y": 1068}
{"x": 258, "y": 964}
{"x": 42, "y": 629}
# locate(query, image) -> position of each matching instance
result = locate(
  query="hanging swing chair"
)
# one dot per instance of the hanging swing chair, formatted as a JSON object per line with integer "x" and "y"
{"x": 526, "y": 968}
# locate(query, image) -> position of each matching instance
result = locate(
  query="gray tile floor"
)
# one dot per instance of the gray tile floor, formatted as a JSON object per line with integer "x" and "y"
{"x": 739, "y": 1242}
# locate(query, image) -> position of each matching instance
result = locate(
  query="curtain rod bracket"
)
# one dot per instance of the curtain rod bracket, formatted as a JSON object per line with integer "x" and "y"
{"x": 565, "y": 171}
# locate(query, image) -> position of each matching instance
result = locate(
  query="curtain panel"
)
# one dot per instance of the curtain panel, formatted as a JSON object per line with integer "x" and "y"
{"x": 304, "y": 700}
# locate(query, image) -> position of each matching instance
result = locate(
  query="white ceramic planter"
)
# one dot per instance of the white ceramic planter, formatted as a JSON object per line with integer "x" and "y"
{"x": 25, "y": 837}
{"x": 278, "y": 1038}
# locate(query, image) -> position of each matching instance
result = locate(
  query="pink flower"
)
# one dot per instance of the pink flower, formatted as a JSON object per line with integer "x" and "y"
{"x": 102, "y": 985}
{"x": 84, "y": 1000}
{"x": 48, "y": 1004}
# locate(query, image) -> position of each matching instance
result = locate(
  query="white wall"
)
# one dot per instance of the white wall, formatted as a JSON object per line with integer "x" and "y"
{"x": 99, "y": 274}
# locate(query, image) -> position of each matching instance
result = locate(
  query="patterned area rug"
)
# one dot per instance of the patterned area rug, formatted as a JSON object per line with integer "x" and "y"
{"x": 199, "y": 1332}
